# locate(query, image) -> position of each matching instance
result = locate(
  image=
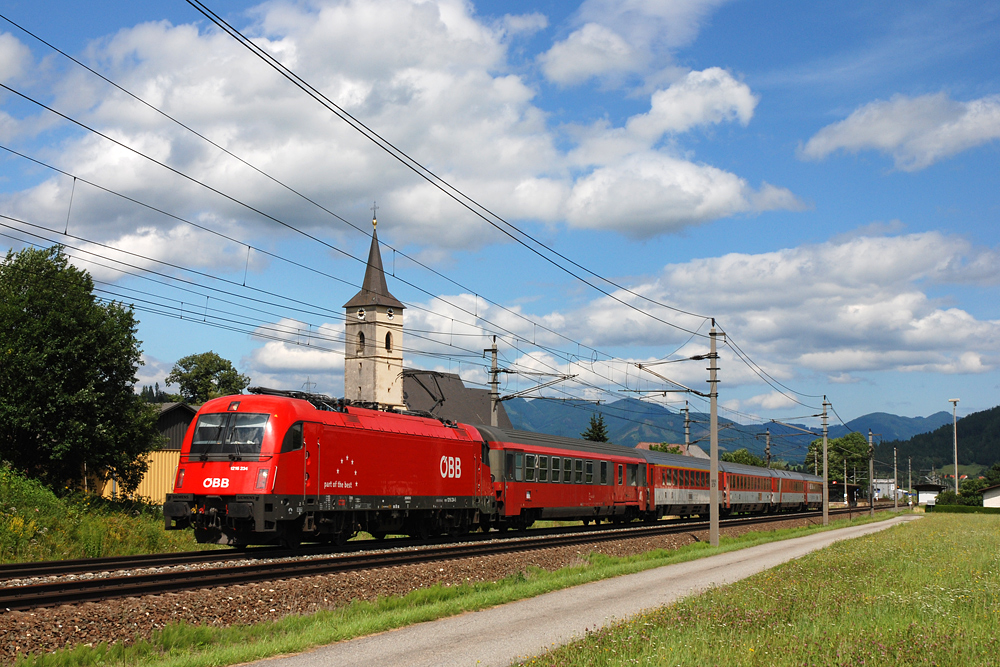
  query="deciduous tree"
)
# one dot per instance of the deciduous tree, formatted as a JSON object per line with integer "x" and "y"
{"x": 67, "y": 376}
{"x": 206, "y": 376}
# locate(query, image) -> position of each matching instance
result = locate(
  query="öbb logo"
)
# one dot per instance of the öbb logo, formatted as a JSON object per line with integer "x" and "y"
{"x": 451, "y": 466}
{"x": 216, "y": 483}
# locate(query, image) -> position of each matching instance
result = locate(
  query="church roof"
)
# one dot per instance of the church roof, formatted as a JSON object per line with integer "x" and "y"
{"x": 374, "y": 291}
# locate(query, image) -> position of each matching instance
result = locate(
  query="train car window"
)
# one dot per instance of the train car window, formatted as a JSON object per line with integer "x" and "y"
{"x": 663, "y": 477}
{"x": 229, "y": 434}
{"x": 556, "y": 464}
{"x": 293, "y": 438}
{"x": 567, "y": 470}
{"x": 590, "y": 473}
{"x": 543, "y": 468}
{"x": 529, "y": 467}
{"x": 509, "y": 468}
{"x": 518, "y": 467}
{"x": 620, "y": 467}
{"x": 633, "y": 474}
{"x": 579, "y": 471}
{"x": 604, "y": 472}
{"x": 642, "y": 474}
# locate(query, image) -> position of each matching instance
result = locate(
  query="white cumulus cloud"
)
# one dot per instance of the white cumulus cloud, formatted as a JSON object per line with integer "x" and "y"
{"x": 915, "y": 131}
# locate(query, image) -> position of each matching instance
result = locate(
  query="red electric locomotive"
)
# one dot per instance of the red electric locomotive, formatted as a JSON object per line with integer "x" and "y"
{"x": 282, "y": 467}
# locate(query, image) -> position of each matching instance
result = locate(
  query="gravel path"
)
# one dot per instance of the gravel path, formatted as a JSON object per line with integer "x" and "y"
{"x": 126, "y": 620}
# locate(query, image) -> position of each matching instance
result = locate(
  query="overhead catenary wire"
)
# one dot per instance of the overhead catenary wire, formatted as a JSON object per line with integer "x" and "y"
{"x": 477, "y": 209}
{"x": 742, "y": 355}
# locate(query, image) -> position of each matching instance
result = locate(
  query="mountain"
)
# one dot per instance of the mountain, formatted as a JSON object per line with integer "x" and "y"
{"x": 978, "y": 443}
{"x": 892, "y": 427}
{"x": 631, "y": 421}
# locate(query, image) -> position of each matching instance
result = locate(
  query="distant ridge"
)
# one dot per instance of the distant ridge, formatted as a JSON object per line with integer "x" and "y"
{"x": 631, "y": 421}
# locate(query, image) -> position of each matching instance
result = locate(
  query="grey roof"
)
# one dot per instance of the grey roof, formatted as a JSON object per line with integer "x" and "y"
{"x": 167, "y": 407}
{"x": 445, "y": 395}
{"x": 374, "y": 291}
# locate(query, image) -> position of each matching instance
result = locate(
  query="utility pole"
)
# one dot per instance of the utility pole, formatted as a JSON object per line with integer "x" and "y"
{"x": 687, "y": 428}
{"x": 826, "y": 477}
{"x": 895, "y": 484}
{"x": 713, "y": 496}
{"x": 909, "y": 481}
{"x": 871, "y": 475}
{"x": 494, "y": 385}
{"x": 847, "y": 501}
{"x": 767, "y": 447}
{"x": 954, "y": 426}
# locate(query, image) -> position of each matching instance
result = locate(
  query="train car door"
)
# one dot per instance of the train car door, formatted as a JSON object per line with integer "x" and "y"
{"x": 311, "y": 483}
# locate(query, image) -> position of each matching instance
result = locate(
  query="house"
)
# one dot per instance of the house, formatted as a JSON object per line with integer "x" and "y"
{"x": 172, "y": 423}
{"x": 685, "y": 450}
{"x": 991, "y": 496}
{"x": 444, "y": 395}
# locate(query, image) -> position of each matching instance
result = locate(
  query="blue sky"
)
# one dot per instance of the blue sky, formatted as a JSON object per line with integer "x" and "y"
{"x": 822, "y": 178}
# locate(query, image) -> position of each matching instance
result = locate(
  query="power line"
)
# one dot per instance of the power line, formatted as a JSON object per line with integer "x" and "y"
{"x": 433, "y": 179}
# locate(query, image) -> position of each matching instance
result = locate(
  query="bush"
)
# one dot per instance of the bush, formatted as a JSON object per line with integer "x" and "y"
{"x": 37, "y": 525}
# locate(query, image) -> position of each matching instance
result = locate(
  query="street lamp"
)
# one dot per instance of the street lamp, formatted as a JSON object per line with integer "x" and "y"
{"x": 954, "y": 426}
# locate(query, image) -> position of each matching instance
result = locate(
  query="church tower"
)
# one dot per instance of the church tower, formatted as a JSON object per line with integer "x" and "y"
{"x": 373, "y": 365}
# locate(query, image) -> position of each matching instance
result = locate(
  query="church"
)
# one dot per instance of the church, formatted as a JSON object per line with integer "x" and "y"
{"x": 373, "y": 359}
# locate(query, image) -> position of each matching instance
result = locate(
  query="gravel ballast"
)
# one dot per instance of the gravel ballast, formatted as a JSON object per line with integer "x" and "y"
{"x": 125, "y": 620}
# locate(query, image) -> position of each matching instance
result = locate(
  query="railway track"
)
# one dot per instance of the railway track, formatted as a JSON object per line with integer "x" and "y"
{"x": 96, "y": 589}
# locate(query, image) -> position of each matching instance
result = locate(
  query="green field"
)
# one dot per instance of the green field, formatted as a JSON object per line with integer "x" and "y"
{"x": 925, "y": 593}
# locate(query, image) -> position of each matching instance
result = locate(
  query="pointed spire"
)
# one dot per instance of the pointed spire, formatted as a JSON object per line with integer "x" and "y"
{"x": 374, "y": 291}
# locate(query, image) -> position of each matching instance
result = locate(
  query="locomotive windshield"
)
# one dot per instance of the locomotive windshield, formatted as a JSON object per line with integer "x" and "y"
{"x": 229, "y": 434}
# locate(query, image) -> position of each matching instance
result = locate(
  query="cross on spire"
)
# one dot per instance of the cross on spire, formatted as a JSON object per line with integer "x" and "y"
{"x": 374, "y": 217}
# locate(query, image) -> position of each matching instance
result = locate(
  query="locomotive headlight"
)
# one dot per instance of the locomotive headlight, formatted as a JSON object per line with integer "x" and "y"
{"x": 262, "y": 479}
{"x": 180, "y": 478}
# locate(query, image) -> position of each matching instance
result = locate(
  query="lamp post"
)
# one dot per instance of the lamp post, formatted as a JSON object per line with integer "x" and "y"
{"x": 954, "y": 427}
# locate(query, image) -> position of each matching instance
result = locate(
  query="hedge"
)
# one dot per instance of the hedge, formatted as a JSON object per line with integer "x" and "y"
{"x": 963, "y": 509}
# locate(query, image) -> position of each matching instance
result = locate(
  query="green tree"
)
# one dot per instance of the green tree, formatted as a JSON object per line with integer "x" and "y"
{"x": 206, "y": 376}
{"x": 597, "y": 431}
{"x": 993, "y": 474}
{"x": 744, "y": 457}
{"x": 853, "y": 448}
{"x": 67, "y": 376}
{"x": 667, "y": 448}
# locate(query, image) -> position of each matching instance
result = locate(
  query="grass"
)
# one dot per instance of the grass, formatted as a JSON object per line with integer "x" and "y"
{"x": 35, "y": 524}
{"x": 187, "y": 645}
{"x": 927, "y": 593}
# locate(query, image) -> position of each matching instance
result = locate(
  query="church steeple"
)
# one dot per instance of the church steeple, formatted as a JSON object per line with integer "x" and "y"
{"x": 374, "y": 291}
{"x": 373, "y": 360}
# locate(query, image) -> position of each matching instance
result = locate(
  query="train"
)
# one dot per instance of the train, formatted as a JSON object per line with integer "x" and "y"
{"x": 286, "y": 467}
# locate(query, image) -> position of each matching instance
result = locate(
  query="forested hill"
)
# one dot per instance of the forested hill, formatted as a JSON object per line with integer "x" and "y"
{"x": 893, "y": 427}
{"x": 978, "y": 443}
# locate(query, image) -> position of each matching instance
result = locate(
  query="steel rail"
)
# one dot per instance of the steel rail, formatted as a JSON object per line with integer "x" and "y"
{"x": 93, "y": 590}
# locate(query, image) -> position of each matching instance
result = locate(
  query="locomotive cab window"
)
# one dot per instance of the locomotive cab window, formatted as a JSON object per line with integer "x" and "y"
{"x": 233, "y": 434}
